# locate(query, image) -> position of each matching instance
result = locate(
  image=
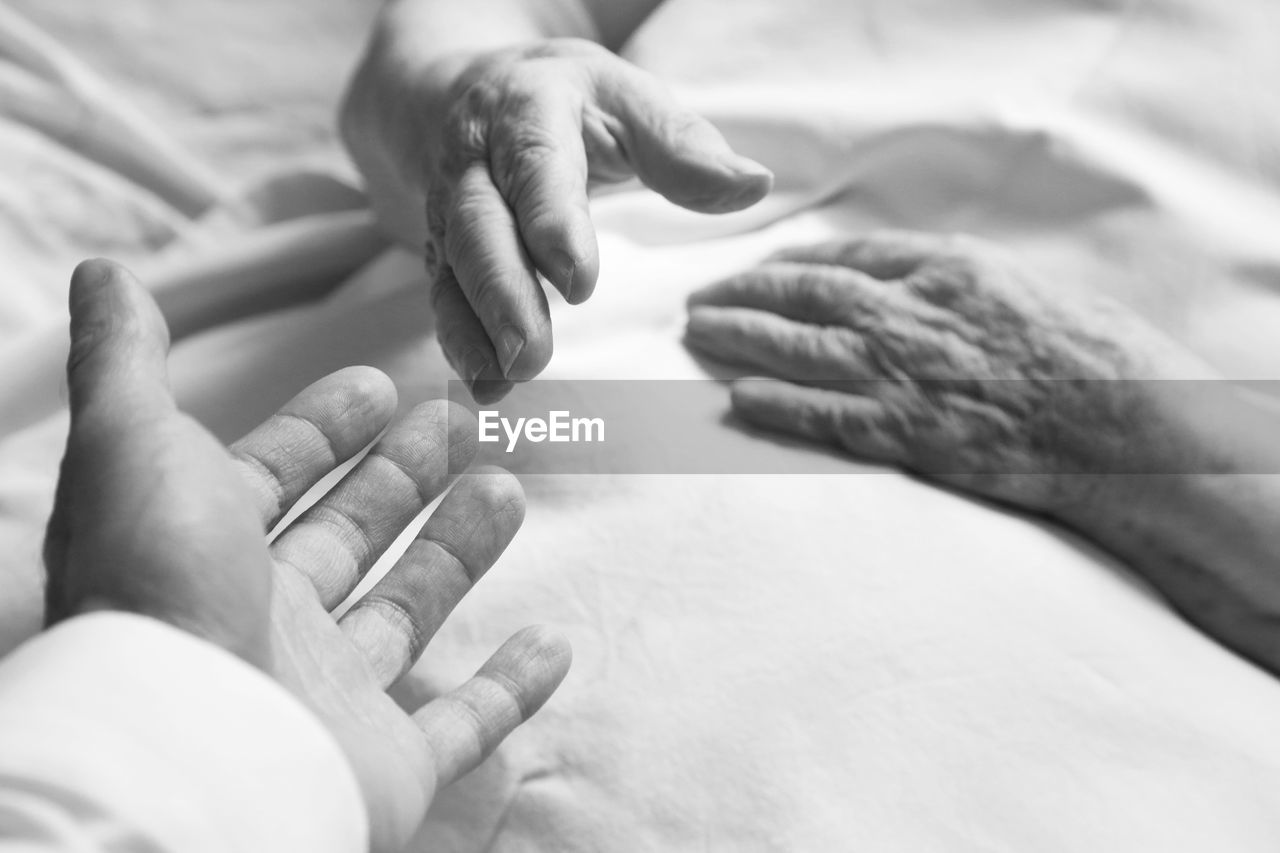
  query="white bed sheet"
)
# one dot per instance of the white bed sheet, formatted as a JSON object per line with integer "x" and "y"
{"x": 844, "y": 661}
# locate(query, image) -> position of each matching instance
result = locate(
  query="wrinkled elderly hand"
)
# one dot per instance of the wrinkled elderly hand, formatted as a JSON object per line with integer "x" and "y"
{"x": 154, "y": 516}
{"x": 505, "y": 145}
{"x": 944, "y": 356}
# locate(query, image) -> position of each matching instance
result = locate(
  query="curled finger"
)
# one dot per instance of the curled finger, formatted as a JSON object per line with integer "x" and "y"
{"x": 464, "y": 341}
{"x": 539, "y": 164}
{"x": 483, "y": 246}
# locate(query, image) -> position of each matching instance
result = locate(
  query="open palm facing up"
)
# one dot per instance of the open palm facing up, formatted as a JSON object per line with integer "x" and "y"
{"x": 154, "y": 516}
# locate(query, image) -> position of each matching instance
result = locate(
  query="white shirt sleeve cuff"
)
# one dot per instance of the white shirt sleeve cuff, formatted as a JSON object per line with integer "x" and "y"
{"x": 175, "y": 739}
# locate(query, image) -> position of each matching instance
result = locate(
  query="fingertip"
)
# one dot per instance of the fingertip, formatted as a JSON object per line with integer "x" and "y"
{"x": 458, "y": 417}
{"x": 91, "y": 273}
{"x": 372, "y": 382}
{"x": 521, "y": 350}
{"x": 504, "y": 483}
{"x": 753, "y": 187}
{"x": 741, "y": 183}
{"x": 747, "y": 168}
{"x": 533, "y": 357}
{"x": 499, "y": 489}
{"x": 462, "y": 433}
{"x": 710, "y": 295}
{"x": 702, "y": 319}
{"x": 556, "y": 647}
{"x": 580, "y": 275}
{"x": 567, "y": 257}
{"x": 118, "y": 336}
{"x": 486, "y": 392}
{"x": 102, "y": 285}
{"x": 747, "y": 392}
{"x": 370, "y": 387}
{"x": 543, "y": 655}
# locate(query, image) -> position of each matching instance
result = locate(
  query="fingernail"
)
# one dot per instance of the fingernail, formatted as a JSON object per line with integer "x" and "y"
{"x": 509, "y": 344}
{"x": 473, "y": 363}
{"x": 87, "y": 282}
{"x": 698, "y": 317}
{"x": 748, "y": 168}
{"x": 565, "y": 267}
{"x": 488, "y": 391}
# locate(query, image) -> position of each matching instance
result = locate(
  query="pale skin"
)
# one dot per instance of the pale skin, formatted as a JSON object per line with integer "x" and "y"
{"x": 947, "y": 357}
{"x": 481, "y": 126}
{"x": 154, "y": 516}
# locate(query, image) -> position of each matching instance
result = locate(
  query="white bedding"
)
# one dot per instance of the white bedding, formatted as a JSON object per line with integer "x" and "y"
{"x": 819, "y": 662}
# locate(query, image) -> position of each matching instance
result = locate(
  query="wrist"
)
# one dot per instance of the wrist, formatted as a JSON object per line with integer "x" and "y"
{"x": 392, "y": 110}
{"x": 1196, "y": 517}
{"x": 389, "y": 120}
{"x": 1164, "y": 438}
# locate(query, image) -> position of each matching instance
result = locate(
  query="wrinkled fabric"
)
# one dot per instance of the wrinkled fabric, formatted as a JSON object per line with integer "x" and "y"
{"x": 828, "y": 662}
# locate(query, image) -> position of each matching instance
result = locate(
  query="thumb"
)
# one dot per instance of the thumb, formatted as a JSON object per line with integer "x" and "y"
{"x": 117, "y": 366}
{"x": 115, "y": 370}
{"x": 675, "y": 151}
{"x": 149, "y": 516}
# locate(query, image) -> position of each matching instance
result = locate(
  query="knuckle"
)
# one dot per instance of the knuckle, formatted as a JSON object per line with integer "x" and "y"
{"x": 521, "y": 161}
{"x": 819, "y": 287}
{"x": 396, "y": 610}
{"x": 679, "y": 127}
{"x": 465, "y": 130}
{"x": 464, "y": 240}
{"x": 947, "y": 279}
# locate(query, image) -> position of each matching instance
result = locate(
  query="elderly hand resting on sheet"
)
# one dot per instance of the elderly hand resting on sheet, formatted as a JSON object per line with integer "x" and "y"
{"x": 153, "y": 516}
{"x": 944, "y": 356}
{"x": 481, "y": 126}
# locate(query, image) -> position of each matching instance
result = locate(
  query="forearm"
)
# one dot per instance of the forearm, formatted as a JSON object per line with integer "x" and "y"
{"x": 1201, "y": 526}
{"x": 393, "y": 109}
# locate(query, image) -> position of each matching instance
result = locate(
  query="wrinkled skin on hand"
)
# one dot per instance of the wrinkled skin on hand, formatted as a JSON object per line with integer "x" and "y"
{"x": 505, "y": 152}
{"x": 154, "y": 516}
{"x": 946, "y": 357}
